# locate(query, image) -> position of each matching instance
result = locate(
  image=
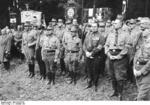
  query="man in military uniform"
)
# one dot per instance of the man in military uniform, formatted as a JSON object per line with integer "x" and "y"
{"x": 142, "y": 62}
{"x": 73, "y": 49}
{"x": 28, "y": 47}
{"x": 5, "y": 47}
{"x": 17, "y": 41}
{"x": 38, "y": 49}
{"x": 66, "y": 36}
{"x": 135, "y": 33}
{"x": 116, "y": 48}
{"x": 59, "y": 34}
{"x": 50, "y": 52}
{"x": 108, "y": 27}
{"x": 94, "y": 50}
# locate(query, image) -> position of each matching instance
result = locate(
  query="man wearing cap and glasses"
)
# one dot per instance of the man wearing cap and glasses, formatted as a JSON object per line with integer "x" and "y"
{"x": 94, "y": 50}
{"x": 50, "y": 51}
{"x": 66, "y": 36}
{"x": 135, "y": 33}
{"x": 116, "y": 48}
{"x": 28, "y": 47}
{"x": 73, "y": 49}
{"x": 38, "y": 48}
{"x": 142, "y": 62}
{"x": 59, "y": 33}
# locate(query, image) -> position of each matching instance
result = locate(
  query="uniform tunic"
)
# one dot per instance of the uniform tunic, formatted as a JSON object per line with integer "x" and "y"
{"x": 117, "y": 44}
{"x": 73, "y": 52}
{"x": 142, "y": 63}
{"x": 28, "y": 45}
{"x": 50, "y": 51}
{"x": 5, "y": 45}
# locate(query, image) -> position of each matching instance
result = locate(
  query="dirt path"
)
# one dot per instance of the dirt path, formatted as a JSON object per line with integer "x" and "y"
{"x": 15, "y": 85}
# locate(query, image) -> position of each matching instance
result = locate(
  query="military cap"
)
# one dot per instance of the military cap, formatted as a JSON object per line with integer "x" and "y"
{"x": 53, "y": 20}
{"x": 74, "y": 20}
{"x": 145, "y": 20}
{"x": 116, "y": 21}
{"x": 120, "y": 17}
{"x": 102, "y": 24}
{"x": 60, "y": 20}
{"x": 49, "y": 28}
{"x": 132, "y": 21}
{"x": 108, "y": 21}
{"x": 100, "y": 20}
{"x": 68, "y": 22}
{"x": 94, "y": 24}
{"x": 3, "y": 31}
{"x": 73, "y": 29}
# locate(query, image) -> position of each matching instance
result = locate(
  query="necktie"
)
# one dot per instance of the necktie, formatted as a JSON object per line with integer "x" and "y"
{"x": 116, "y": 38}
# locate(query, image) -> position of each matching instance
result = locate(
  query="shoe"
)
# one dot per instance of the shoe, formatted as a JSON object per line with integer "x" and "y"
{"x": 89, "y": 86}
{"x": 29, "y": 75}
{"x": 115, "y": 94}
{"x": 32, "y": 75}
{"x": 120, "y": 97}
{"x": 96, "y": 89}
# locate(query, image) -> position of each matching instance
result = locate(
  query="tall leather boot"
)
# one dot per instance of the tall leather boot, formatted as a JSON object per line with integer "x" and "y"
{"x": 71, "y": 77}
{"x": 120, "y": 89}
{"x": 90, "y": 84}
{"x": 115, "y": 88}
{"x": 75, "y": 78}
{"x": 32, "y": 70}
{"x": 49, "y": 76}
{"x": 53, "y": 78}
{"x": 29, "y": 66}
{"x": 6, "y": 65}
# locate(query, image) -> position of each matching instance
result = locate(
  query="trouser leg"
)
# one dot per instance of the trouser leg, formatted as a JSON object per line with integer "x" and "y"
{"x": 120, "y": 88}
{"x": 7, "y": 65}
{"x": 54, "y": 67}
{"x": 62, "y": 65}
{"x": 143, "y": 92}
{"x": 90, "y": 72}
{"x": 32, "y": 70}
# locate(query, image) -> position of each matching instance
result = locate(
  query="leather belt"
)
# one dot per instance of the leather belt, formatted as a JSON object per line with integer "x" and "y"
{"x": 72, "y": 51}
{"x": 49, "y": 51}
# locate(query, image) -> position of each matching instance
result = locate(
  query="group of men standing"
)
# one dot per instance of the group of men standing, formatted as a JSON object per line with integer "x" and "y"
{"x": 117, "y": 48}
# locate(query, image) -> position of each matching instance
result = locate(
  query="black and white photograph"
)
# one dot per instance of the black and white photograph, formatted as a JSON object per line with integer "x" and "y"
{"x": 74, "y": 50}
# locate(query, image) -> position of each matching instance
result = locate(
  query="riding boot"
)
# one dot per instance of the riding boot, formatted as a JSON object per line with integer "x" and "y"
{"x": 71, "y": 77}
{"x": 90, "y": 84}
{"x": 120, "y": 89}
{"x": 53, "y": 78}
{"x": 49, "y": 76}
{"x": 75, "y": 77}
{"x": 114, "y": 86}
{"x": 29, "y": 66}
{"x": 6, "y": 65}
{"x": 32, "y": 70}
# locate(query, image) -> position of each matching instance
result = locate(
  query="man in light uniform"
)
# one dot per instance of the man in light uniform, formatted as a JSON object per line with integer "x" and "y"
{"x": 73, "y": 49}
{"x": 50, "y": 52}
{"x": 66, "y": 36}
{"x": 29, "y": 38}
{"x": 60, "y": 33}
{"x": 38, "y": 53}
{"x": 142, "y": 62}
{"x": 5, "y": 47}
